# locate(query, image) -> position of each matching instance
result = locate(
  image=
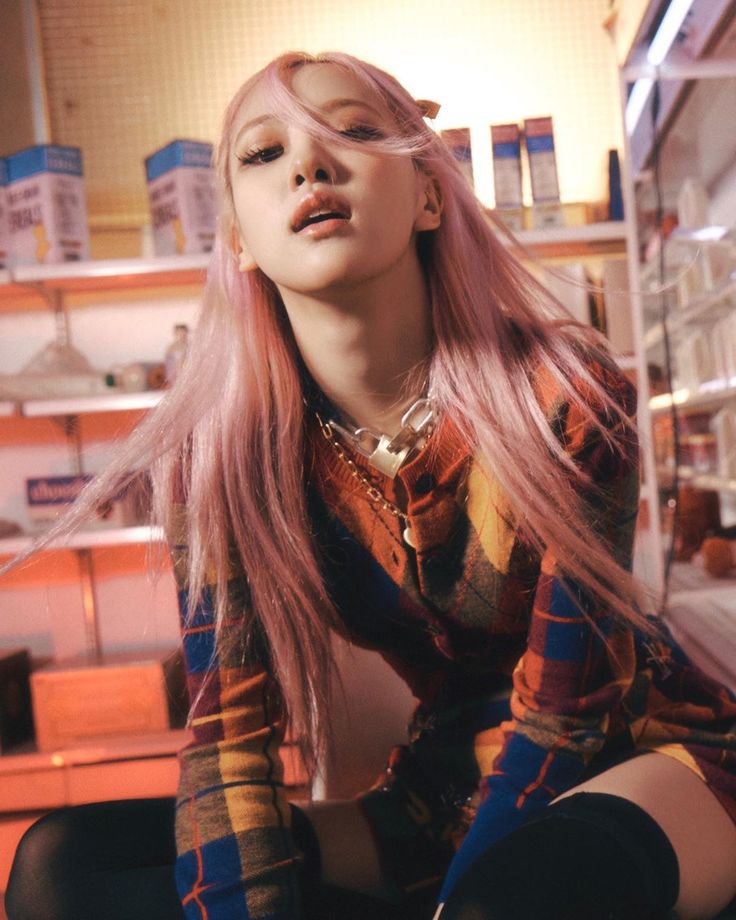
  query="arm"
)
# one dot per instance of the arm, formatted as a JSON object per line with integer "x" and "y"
{"x": 576, "y": 667}
{"x": 235, "y": 853}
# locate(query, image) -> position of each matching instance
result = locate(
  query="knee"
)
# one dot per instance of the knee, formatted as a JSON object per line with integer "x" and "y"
{"x": 38, "y": 860}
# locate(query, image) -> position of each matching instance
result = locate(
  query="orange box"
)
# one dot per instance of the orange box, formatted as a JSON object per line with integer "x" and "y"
{"x": 76, "y": 701}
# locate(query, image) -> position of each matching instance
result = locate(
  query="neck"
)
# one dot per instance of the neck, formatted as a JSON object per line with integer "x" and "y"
{"x": 362, "y": 343}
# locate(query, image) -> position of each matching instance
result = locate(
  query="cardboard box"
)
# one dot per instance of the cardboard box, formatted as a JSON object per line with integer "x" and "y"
{"x": 540, "y": 148}
{"x": 76, "y": 701}
{"x": 506, "y": 149}
{"x": 49, "y": 496}
{"x": 16, "y": 723}
{"x": 181, "y": 195}
{"x": 4, "y": 230}
{"x": 47, "y": 212}
{"x": 458, "y": 140}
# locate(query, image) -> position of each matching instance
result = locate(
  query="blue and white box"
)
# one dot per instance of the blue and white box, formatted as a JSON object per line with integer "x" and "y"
{"x": 181, "y": 194}
{"x": 4, "y": 232}
{"x": 47, "y": 497}
{"x": 47, "y": 211}
{"x": 506, "y": 152}
{"x": 540, "y": 148}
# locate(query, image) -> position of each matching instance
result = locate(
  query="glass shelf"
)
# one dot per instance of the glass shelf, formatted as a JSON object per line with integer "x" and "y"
{"x": 34, "y": 283}
{"x": 86, "y": 539}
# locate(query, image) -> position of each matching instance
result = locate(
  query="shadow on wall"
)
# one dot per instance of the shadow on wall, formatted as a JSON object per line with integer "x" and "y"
{"x": 368, "y": 723}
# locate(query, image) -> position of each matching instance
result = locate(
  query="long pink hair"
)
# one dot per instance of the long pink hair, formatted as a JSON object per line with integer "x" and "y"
{"x": 222, "y": 445}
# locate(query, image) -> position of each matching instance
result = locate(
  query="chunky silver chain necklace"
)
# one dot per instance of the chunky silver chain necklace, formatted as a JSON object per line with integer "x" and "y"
{"x": 388, "y": 454}
{"x": 384, "y": 453}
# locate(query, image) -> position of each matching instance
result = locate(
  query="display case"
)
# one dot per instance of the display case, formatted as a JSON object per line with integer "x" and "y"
{"x": 678, "y": 87}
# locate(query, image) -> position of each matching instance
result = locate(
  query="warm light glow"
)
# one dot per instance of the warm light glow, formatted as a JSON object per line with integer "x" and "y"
{"x": 485, "y": 62}
{"x": 665, "y": 400}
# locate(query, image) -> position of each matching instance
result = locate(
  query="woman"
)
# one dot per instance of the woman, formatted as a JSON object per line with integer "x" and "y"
{"x": 387, "y": 428}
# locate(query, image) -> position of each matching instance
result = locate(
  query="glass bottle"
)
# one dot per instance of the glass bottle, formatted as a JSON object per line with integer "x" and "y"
{"x": 176, "y": 352}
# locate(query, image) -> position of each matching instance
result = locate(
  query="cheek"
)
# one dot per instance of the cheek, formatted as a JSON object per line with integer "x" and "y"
{"x": 397, "y": 187}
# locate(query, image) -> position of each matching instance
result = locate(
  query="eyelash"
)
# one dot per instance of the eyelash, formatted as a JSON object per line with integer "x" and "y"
{"x": 257, "y": 156}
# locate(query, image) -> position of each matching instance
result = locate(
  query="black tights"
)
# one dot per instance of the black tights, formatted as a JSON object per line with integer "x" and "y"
{"x": 114, "y": 861}
{"x": 590, "y": 857}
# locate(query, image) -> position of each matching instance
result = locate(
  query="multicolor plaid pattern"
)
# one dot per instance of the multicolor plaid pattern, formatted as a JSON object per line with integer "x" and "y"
{"x": 520, "y": 695}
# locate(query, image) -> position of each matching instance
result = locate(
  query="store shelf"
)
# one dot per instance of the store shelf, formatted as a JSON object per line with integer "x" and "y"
{"x": 100, "y": 275}
{"x": 603, "y": 232}
{"x": 86, "y": 539}
{"x": 710, "y": 396}
{"x": 709, "y": 481}
{"x": 81, "y": 405}
{"x": 680, "y": 249}
{"x": 694, "y": 311}
{"x": 706, "y": 480}
{"x": 603, "y": 238}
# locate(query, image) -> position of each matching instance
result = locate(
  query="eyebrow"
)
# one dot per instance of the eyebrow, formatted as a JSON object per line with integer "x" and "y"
{"x": 332, "y": 106}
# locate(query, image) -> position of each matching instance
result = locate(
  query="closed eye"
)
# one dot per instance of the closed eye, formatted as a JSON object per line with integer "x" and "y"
{"x": 258, "y": 155}
{"x": 362, "y": 132}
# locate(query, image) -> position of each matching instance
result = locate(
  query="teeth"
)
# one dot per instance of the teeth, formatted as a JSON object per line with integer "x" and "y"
{"x": 317, "y": 214}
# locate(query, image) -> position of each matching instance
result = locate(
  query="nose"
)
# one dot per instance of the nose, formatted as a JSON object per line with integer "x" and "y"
{"x": 311, "y": 162}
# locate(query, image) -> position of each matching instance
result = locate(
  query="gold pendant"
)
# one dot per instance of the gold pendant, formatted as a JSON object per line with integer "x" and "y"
{"x": 408, "y": 536}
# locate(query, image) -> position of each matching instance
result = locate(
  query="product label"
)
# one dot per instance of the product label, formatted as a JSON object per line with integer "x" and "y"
{"x": 194, "y": 154}
{"x": 183, "y": 210}
{"x": 45, "y": 158}
{"x": 542, "y": 164}
{"x": 54, "y": 490}
{"x": 506, "y": 146}
{"x": 46, "y": 211}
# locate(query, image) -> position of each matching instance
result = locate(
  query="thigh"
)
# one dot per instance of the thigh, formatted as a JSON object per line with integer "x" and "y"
{"x": 112, "y": 860}
{"x": 348, "y": 852}
{"x": 364, "y": 846}
{"x": 698, "y": 827}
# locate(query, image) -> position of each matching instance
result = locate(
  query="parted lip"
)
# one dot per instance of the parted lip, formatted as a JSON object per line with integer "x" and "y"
{"x": 319, "y": 203}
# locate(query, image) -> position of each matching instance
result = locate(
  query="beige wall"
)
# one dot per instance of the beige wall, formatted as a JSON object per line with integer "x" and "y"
{"x": 125, "y": 77}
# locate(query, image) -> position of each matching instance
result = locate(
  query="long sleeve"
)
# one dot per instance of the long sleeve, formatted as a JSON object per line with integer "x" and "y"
{"x": 235, "y": 852}
{"x": 576, "y": 667}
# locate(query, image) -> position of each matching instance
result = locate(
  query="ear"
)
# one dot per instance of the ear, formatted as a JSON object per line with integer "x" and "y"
{"x": 429, "y": 216}
{"x": 246, "y": 262}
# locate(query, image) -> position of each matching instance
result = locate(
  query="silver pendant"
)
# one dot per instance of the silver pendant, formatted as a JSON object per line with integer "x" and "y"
{"x": 408, "y": 536}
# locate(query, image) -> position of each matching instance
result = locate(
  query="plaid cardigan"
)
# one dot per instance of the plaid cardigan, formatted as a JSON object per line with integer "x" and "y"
{"x": 472, "y": 611}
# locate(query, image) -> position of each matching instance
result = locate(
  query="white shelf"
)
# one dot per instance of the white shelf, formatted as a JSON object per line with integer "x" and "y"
{"x": 29, "y": 286}
{"x": 86, "y": 539}
{"x": 51, "y": 275}
{"x": 685, "y": 400}
{"x": 693, "y": 311}
{"x": 7, "y": 408}
{"x": 80, "y": 405}
{"x": 602, "y": 232}
{"x": 707, "y": 480}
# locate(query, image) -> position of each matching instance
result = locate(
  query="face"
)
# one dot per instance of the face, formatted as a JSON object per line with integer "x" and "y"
{"x": 315, "y": 215}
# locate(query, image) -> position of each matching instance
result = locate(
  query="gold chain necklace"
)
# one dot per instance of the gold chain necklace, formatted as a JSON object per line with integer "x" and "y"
{"x": 372, "y": 491}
